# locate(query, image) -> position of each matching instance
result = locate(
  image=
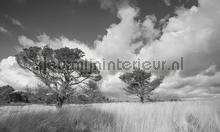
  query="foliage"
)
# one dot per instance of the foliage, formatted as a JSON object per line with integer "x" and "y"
{"x": 60, "y": 69}
{"x": 139, "y": 83}
{"x": 4, "y": 94}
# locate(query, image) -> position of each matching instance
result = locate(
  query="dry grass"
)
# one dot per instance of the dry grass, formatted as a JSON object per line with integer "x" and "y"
{"x": 165, "y": 117}
{"x": 114, "y": 117}
{"x": 38, "y": 118}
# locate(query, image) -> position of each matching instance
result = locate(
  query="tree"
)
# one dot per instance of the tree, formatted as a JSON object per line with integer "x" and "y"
{"x": 61, "y": 70}
{"x": 18, "y": 96}
{"x": 139, "y": 83}
{"x": 4, "y": 94}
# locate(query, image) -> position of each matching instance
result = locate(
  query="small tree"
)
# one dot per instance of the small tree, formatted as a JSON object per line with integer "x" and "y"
{"x": 60, "y": 70}
{"x": 139, "y": 84}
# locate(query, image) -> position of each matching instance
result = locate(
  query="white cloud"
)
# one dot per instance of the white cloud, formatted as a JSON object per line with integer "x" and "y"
{"x": 199, "y": 85}
{"x": 194, "y": 35}
{"x": 167, "y": 2}
{"x": 3, "y": 30}
{"x": 25, "y": 42}
{"x": 112, "y": 83}
{"x": 55, "y": 43}
{"x": 2, "y": 83}
{"x": 114, "y": 5}
{"x": 124, "y": 38}
{"x": 16, "y": 22}
{"x": 117, "y": 42}
{"x": 12, "y": 74}
{"x": 112, "y": 87}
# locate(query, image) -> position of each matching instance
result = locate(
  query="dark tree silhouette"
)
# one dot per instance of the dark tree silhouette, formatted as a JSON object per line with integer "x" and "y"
{"x": 4, "y": 94}
{"x": 61, "y": 70}
{"x": 139, "y": 83}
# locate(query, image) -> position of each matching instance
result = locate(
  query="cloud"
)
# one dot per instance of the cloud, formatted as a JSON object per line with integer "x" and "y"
{"x": 3, "y": 30}
{"x": 2, "y": 83}
{"x": 55, "y": 43}
{"x": 16, "y": 22}
{"x": 115, "y": 5}
{"x": 198, "y": 85}
{"x": 112, "y": 83}
{"x": 25, "y": 42}
{"x": 112, "y": 87}
{"x": 193, "y": 35}
{"x": 12, "y": 74}
{"x": 167, "y": 2}
{"x": 80, "y": 1}
{"x": 120, "y": 36}
{"x": 127, "y": 36}
{"x": 11, "y": 21}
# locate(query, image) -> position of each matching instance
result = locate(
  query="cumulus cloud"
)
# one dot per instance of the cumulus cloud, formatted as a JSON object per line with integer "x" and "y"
{"x": 126, "y": 37}
{"x": 199, "y": 85}
{"x": 55, "y": 43}
{"x": 120, "y": 36}
{"x": 112, "y": 87}
{"x": 193, "y": 35}
{"x": 12, "y": 74}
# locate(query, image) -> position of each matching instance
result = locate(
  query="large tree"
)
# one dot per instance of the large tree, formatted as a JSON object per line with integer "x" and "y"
{"x": 139, "y": 83}
{"x": 61, "y": 70}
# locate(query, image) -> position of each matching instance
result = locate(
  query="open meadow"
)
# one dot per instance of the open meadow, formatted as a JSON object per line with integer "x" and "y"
{"x": 187, "y": 116}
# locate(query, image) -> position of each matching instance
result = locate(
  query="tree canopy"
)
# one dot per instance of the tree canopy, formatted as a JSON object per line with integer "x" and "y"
{"x": 59, "y": 69}
{"x": 139, "y": 83}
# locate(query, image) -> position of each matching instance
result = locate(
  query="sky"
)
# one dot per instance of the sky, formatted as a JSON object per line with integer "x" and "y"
{"x": 125, "y": 29}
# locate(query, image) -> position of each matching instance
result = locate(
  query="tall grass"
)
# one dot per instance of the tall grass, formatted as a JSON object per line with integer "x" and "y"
{"x": 67, "y": 119}
{"x": 165, "y": 117}
{"x": 112, "y": 117}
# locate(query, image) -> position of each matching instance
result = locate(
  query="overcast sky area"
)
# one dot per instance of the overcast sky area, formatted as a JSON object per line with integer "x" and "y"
{"x": 124, "y": 29}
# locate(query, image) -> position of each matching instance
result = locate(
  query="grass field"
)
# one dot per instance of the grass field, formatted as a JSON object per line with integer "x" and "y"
{"x": 187, "y": 116}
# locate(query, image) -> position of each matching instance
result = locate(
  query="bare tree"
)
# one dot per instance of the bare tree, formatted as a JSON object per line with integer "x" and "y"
{"x": 60, "y": 70}
{"x": 139, "y": 83}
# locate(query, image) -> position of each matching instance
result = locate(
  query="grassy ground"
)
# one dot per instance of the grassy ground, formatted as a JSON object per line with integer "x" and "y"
{"x": 114, "y": 117}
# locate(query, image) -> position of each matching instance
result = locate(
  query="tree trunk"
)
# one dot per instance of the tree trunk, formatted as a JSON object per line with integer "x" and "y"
{"x": 142, "y": 99}
{"x": 60, "y": 101}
